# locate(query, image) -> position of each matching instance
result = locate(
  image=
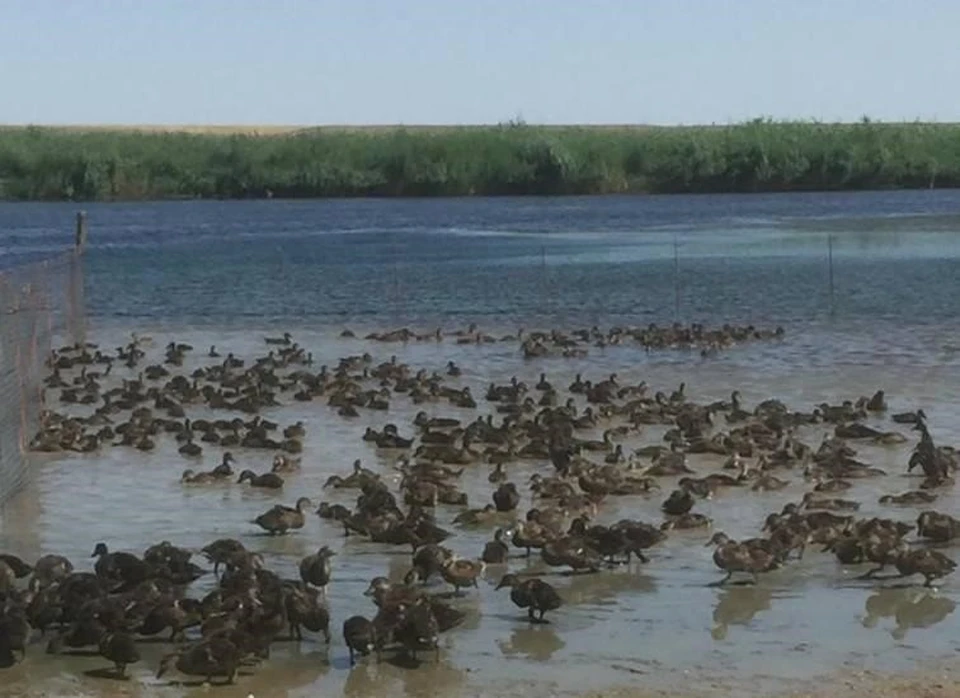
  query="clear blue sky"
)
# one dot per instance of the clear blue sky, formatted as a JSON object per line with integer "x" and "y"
{"x": 476, "y": 61}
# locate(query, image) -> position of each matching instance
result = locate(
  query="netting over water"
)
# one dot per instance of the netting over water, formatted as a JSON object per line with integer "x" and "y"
{"x": 38, "y": 302}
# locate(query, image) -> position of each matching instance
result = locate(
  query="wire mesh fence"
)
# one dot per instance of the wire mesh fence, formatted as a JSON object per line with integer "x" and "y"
{"x": 38, "y": 302}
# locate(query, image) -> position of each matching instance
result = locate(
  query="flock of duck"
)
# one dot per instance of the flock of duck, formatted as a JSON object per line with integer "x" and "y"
{"x": 543, "y": 431}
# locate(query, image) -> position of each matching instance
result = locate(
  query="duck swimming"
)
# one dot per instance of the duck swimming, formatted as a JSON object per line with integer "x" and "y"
{"x": 281, "y": 519}
{"x": 266, "y": 480}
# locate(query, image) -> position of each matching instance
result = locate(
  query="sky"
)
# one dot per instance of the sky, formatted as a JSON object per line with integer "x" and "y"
{"x": 476, "y": 61}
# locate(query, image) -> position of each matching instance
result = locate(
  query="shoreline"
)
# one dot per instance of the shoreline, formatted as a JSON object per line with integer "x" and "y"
{"x": 938, "y": 680}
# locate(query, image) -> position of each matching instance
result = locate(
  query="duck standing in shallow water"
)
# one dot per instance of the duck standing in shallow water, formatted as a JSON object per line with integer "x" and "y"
{"x": 360, "y": 637}
{"x": 316, "y": 569}
{"x": 732, "y": 557}
{"x": 533, "y": 594}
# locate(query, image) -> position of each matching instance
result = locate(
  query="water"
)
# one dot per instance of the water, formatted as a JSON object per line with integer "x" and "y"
{"x": 227, "y": 273}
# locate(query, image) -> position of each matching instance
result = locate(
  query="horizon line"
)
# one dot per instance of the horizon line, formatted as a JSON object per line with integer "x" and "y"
{"x": 287, "y": 128}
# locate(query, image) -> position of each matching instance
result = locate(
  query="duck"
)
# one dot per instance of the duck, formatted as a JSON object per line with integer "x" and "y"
{"x": 769, "y": 483}
{"x": 506, "y": 498}
{"x": 281, "y": 519}
{"x": 461, "y": 573}
{"x": 191, "y": 477}
{"x": 534, "y": 594}
{"x": 911, "y": 497}
{"x": 125, "y": 568}
{"x": 686, "y": 522}
{"x": 543, "y": 384}
{"x": 496, "y": 552}
{"x": 418, "y": 629}
{"x": 476, "y": 517}
{"x": 19, "y": 568}
{"x": 932, "y": 564}
{"x": 51, "y": 569}
{"x": 173, "y": 613}
{"x": 498, "y": 475}
{"x": 832, "y": 485}
{"x": 215, "y": 656}
{"x": 572, "y": 552}
{"x": 937, "y": 527}
{"x": 285, "y": 340}
{"x": 190, "y": 449}
{"x": 121, "y": 649}
{"x": 388, "y": 595}
{"x": 910, "y": 417}
{"x": 223, "y": 551}
{"x": 731, "y": 557}
{"x": 360, "y": 637}
{"x": 266, "y": 480}
{"x": 811, "y": 501}
{"x": 316, "y": 569}
{"x": 284, "y": 464}
{"x": 295, "y": 431}
{"x": 225, "y": 467}
{"x": 14, "y": 635}
{"x": 678, "y": 503}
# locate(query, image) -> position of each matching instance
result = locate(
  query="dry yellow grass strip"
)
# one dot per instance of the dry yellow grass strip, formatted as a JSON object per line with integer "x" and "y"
{"x": 281, "y": 129}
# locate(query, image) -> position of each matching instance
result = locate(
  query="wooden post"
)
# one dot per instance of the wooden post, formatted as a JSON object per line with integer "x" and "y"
{"x": 676, "y": 279}
{"x": 830, "y": 273}
{"x": 80, "y": 242}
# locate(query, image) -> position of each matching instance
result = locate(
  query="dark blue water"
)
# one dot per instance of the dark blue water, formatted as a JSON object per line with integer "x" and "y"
{"x": 896, "y": 258}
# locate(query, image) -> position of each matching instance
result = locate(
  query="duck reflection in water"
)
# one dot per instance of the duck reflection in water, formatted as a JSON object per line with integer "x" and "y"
{"x": 393, "y": 677}
{"x": 738, "y": 606}
{"x": 909, "y": 607}
{"x": 602, "y": 589}
{"x": 538, "y": 643}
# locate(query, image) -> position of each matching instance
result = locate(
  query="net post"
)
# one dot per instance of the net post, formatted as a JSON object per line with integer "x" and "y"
{"x": 80, "y": 235}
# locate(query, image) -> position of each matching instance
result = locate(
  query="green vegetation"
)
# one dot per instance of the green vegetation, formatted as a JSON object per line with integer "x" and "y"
{"x": 101, "y": 164}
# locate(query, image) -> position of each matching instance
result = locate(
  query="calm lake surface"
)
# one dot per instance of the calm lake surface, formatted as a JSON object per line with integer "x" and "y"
{"x": 226, "y": 273}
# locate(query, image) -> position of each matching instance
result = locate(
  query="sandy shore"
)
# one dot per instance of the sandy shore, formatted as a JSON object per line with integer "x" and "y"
{"x": 930, "y": 682}
{"x": 933, "y": 682}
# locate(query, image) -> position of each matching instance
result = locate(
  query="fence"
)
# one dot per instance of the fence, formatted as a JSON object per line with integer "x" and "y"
{"x": 38, "y": 301}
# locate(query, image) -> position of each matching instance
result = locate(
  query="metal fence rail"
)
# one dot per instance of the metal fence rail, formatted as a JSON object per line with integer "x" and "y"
{"x": 38, "y": 301}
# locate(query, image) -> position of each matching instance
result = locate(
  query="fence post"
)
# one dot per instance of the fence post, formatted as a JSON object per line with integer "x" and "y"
{"x": 676, "y": 279}
{"x": 75, "y": 308}
{"x": 830, "y": 272}
{"x": 80, "y": 242}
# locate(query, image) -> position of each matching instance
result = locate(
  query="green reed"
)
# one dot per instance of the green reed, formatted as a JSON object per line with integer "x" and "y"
{"x": 74, "y": 164}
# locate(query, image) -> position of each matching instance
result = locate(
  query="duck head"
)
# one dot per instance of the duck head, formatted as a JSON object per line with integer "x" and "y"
{"x": 719, "y": 538}
{"x": 303, "y": 503}
{"x": 377, "y": 585}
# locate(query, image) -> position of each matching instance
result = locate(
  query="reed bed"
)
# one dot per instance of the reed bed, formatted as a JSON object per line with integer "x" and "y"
{"x": 127, "y": 163}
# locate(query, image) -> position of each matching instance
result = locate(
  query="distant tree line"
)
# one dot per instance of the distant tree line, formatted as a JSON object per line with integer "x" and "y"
{"x": 511, "y": 159}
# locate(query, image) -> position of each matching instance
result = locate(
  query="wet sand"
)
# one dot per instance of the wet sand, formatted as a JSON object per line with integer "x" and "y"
{"x": 656, "y": 628}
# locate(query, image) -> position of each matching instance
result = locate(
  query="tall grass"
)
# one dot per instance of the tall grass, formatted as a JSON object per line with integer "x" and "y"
{"x": 54, "y": 164}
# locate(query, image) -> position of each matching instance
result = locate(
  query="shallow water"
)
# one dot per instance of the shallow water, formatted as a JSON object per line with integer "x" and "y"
{"x": 660, "y": 619}
{"x": 226, "y": 274}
